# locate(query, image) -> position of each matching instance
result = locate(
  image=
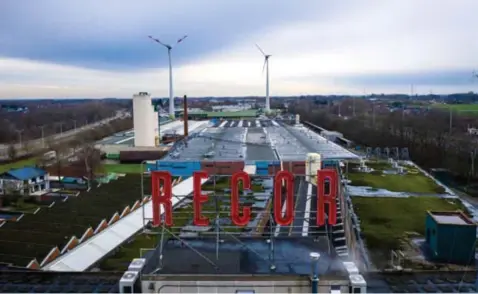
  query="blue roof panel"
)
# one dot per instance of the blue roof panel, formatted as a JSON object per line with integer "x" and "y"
{"x": 26, "y": 173}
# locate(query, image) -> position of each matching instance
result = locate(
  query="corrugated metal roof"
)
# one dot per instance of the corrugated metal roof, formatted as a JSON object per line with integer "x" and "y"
{"x": 94, "y": 249}
{"x": 26, "y": 173}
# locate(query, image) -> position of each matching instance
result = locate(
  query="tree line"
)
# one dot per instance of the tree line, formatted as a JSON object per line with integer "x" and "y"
{"x": 52, "y": 118}
{"x": 427, "y": 135}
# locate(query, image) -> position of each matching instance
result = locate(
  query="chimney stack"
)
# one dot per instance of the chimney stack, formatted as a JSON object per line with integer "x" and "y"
{"x": 185, "y": 115}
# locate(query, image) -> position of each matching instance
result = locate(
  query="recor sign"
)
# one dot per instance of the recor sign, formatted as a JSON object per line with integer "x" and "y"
{"x": 240, "y": 216}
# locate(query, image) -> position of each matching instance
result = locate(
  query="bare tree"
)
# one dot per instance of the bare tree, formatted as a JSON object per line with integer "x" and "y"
{"x": 58, "y": 164}
{"x": 425, "y": 134}
{"x": 92, "y": 159}
{"x": 12, "y": 152}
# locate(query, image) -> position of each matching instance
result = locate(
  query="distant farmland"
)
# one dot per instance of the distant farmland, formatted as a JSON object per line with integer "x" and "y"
{"x": 461, "y": 108}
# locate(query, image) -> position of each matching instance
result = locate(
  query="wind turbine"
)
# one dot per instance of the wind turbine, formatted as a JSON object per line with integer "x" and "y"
{"x": 474, "y": 75}
{"x": 266, "y": 67}
{"x": 169, "y": 47}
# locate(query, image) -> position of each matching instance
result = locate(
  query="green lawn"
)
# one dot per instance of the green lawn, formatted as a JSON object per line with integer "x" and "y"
{"x": 464, "y": 108}
{"x": 241, "y": 113}
{"x": 224, "y": 183}
{"x": 18, "y": 164}
{"x": 385, "y": 220}
{"x": 123, "y": 168}
{"x": 413, "y": 182}
{"x": 127, "y": 252}
{"x": 396, "y": 183}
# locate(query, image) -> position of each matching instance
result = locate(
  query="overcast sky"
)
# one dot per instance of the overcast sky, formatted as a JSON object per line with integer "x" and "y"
{"x": 93, "y": 48}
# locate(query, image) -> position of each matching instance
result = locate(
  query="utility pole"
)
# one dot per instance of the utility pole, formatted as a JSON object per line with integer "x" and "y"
{"x": 451, "y": 119}
{"x": 373, "y": 115}
{"x": 353, "y": 106}
{"x": 473, "y": 156}
{"x": 20, "y": 142}
{"x": 42, "y": 136}
{"x": 74, "y": 124}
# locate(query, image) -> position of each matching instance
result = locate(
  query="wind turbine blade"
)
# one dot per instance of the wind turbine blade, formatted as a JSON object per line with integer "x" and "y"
{"x": 158, "y": 41}
{"x": 260, "y": 50}
{"x": 182, "y": 39}
{"x": 264, "y": 66}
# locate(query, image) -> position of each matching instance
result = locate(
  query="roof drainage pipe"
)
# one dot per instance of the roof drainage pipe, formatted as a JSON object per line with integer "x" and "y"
{"x": 314, "y": 258}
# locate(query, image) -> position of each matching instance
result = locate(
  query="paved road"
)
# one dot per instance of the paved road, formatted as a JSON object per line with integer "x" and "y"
{"x": 37, "y": 143}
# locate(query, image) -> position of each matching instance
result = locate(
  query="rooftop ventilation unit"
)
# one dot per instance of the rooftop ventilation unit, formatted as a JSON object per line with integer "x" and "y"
{"x": 351, "y": 268}
{"x": 129, "y": 283}
{"x": 137, "y": 265}
{"x": 357, "y": 284}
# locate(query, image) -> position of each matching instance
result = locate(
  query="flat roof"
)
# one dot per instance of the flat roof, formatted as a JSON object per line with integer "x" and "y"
{"x": 451, "y": 218}
{"x": 314, "y": 142}
{"x": 245, "y": 256}
{"x": 176, "y": 127}
{"x": 256, "y": 139}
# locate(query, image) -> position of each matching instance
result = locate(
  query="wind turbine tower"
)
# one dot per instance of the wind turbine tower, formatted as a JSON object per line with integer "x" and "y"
{"x": 171, "y": 95}
{"x": 266, "y": 67}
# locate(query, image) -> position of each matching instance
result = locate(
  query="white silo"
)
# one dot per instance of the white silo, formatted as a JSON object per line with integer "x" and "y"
{"x": 143, "y": 120}
{"x": 156, "y": 127}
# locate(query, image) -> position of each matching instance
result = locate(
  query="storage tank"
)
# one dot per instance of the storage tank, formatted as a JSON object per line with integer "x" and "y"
{"x": 312, "y": 165}
{"x": 297, "y": 119}
{"x": 143, "y": 120}
{"x": 156, "y": 123}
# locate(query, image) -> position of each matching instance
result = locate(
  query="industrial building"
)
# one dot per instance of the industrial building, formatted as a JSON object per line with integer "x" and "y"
{"x": 263, "y": 257}
{"x": 151, "y": 137}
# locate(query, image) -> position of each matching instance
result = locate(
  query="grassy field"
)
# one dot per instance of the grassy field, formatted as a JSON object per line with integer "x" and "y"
{"x": 18, "y": 164}
{"x": 126, "y": 253}
{"x": 123, "y": 168}
{"x": 242, "y": 113}
{"x": 224, "y": 183}
{"x": 465, "y": 108}
{"x": 412, "y": 182}
{"x": 385, "y": 220}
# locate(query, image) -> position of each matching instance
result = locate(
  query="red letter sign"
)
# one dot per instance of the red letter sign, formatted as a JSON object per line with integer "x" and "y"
{"x": 246, "y": 212}
{"x": 331, "y": 176}
{"x": 288, "y": 218}
{"x": 162, "y": 196}
{"x": 199, "y": 198}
